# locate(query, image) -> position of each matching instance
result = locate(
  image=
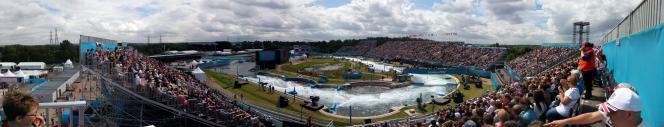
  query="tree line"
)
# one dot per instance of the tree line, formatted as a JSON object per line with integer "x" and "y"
{"x": 50, "y": 54}
{"x": 321, "y": 46}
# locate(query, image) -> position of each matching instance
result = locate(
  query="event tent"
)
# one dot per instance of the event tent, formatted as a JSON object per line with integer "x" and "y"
{"x": 68, "y": 64}
{"x": 199, "y": 74}
{"x": 9, "y": 74}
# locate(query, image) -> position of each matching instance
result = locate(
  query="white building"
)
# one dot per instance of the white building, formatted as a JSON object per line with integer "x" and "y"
{"x": 32, "y": 65}
{"x": 7, "y": 65}
{"x": 56, "y": 86}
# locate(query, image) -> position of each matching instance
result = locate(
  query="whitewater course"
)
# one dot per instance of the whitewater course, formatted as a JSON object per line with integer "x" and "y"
{"x": 369, "y": 101}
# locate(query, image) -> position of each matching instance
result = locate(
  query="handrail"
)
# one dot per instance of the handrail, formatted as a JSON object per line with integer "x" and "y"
{"x": 646, "y": 15}
{"x": 63, "y": 104}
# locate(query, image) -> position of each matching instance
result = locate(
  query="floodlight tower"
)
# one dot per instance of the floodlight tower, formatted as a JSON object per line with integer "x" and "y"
{"x": 581, "y": 28}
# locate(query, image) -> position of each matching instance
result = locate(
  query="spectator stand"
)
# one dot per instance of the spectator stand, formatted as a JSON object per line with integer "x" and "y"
{"x": 127, "y": 108}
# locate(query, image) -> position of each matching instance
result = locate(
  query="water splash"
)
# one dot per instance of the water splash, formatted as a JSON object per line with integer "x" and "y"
{"x": 371, "y": 103}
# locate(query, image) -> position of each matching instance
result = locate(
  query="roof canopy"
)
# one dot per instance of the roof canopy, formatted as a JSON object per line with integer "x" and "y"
{"x": 197, "y": 71}
{"x": 20, "y": 73}
{"x": 9, "y": 74}
{"x": 7, "y": 64}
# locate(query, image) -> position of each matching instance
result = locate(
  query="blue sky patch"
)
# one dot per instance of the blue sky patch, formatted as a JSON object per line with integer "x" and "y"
{"x": 146, "y": 11}
{"x": 332, "y": 3}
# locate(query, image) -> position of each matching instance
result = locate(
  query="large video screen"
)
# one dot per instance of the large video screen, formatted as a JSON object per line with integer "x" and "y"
{"x": 266, "y": 56}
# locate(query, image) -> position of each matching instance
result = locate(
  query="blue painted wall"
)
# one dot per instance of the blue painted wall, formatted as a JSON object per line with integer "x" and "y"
{"x": 639, "y": 60}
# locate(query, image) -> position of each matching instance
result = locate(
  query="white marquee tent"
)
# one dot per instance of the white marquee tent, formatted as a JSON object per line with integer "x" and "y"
{"x": 68, "y": 64}
{"x": 199, "y": 74}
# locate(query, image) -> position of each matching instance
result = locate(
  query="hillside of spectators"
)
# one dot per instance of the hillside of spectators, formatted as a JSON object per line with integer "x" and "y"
{"x": 537, "y": 60}
{"x": 515, "y": 105}
{"x": 438, "y": 52}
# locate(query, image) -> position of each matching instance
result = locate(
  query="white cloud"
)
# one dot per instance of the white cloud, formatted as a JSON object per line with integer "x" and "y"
{"x": 482, "y": 21}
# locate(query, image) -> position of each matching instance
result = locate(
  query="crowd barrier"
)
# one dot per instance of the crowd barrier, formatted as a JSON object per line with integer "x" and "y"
{"x": 638, "y": 59}
{"x": 496, "y": 84}
{"x": 512, "y": 73}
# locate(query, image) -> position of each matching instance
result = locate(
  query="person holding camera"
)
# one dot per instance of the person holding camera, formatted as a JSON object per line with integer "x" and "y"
{"x": 568, "y": 99}
{"x": 21, "y": 111}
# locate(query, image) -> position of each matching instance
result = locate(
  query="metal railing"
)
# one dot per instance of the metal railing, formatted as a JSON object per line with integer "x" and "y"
{"x": 58, "y": 106}
{"x": 141, "y": 94}
{"x": 645, "y": 16}
{"x": 106, "y": 74}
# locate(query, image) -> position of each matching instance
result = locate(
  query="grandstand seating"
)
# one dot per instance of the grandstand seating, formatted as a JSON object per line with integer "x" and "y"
{"x": 535, "y": 61}
{"x": 439, "y": 53}
{"x": 169, "y": 86}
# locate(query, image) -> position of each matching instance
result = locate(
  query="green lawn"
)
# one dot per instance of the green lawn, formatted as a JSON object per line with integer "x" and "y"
{"x": 335, "y": 76}
{"x": 254, "y": 95}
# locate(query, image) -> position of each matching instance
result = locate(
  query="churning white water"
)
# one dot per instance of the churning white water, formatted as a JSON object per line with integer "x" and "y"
{"x": 368, "y": 103}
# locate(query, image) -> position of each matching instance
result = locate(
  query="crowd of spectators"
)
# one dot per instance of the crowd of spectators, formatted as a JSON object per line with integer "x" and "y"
{"x": 438, "y": 52}
{"x": 185, "y": 92}
{"x": 518, "y": 104}
{"x": 523, "y": 103}
{"x": 537, "y": 60}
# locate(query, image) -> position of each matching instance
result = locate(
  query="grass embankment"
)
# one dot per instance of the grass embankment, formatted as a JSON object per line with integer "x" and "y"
{"x": 253, "y": 94}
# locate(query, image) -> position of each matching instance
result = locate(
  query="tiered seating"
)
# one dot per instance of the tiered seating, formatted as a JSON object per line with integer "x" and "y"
{"x": 438, "y": 52}
{"x": 169, "y": 86}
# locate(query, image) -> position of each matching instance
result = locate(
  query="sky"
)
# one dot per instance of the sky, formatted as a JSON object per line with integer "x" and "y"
{"x": 474, "y": 21}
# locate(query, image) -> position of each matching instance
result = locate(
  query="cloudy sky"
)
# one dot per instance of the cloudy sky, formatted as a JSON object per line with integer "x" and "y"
{"x": 476, "y": 21}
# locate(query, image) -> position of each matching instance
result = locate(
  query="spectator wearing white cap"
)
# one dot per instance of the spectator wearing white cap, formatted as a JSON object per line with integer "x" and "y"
{"x": 623, "y": 109}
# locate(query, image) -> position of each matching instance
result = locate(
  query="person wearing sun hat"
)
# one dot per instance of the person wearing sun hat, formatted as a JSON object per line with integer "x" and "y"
{"x": 622, "y": 109}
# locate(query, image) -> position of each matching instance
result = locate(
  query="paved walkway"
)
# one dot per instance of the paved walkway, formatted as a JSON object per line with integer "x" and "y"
{"x": 590, "y": 105}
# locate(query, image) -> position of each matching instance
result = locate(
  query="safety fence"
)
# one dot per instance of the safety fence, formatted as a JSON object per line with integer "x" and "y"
{"x": 645, "y": 16}
{"x": 637, "y": 59}
{"x": 634, "y": 51}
